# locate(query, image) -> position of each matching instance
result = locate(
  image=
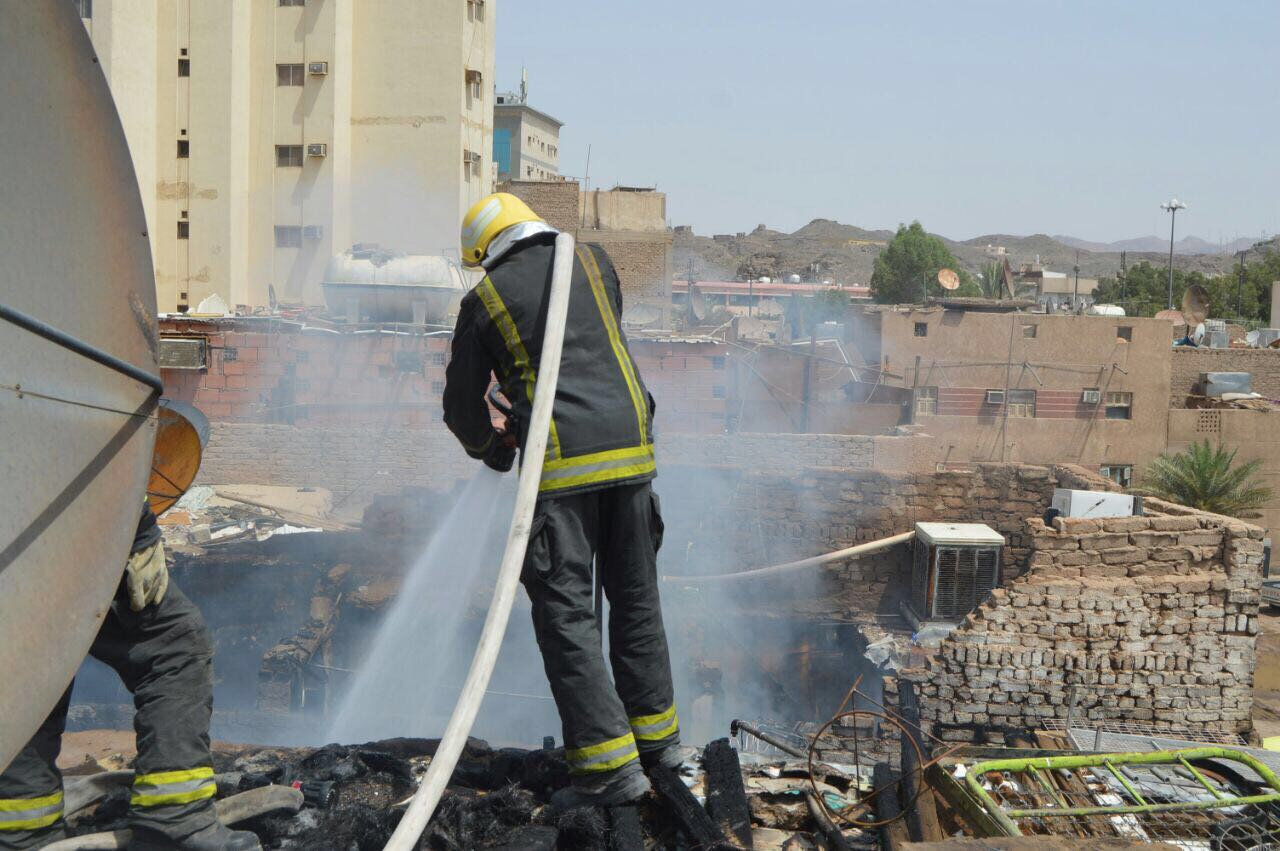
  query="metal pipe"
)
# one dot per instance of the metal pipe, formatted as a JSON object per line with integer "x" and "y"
{"x": 433, "y": 784}
{"x": 815, "y": 561}
{"x": 80, "y": 347}
{"x": 767, "y": 738}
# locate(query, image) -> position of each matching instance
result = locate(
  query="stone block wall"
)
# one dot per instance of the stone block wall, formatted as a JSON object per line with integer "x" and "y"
{"x": 771, "y": 509}
{"x": 1188, "y": 363}
{"x": 1149, "y": 619}
{"x": 642, "y": 260}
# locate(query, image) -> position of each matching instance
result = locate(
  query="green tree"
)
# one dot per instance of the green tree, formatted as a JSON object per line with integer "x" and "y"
{"x": 1207, "y": 477}
{"x": 908, "y": 268}
{"x": 1145, "y": 290}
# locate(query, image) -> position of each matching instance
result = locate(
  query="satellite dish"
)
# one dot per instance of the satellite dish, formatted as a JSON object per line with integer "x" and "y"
{"x": 1252, "y": 339}
{"x": 642, "y": 315}
{"x": 948, "y": 279}
{"x": 697, "y": 303}
{"x": 1195, "y": 304}
{"x": 181, "y": 436}
{"x": 74, "y": 474}
{"x": 1173, "y": 317}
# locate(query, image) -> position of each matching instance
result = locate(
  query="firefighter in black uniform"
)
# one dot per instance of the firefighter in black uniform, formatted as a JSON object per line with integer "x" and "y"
{"x": 157, "y": 641}
{"x": 595, "y": 503}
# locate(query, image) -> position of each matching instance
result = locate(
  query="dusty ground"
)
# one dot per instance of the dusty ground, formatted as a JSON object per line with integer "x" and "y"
{"x": 1266, "y": 683}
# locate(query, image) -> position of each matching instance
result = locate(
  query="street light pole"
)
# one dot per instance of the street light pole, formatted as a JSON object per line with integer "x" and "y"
{"x": 1172, "y": 207}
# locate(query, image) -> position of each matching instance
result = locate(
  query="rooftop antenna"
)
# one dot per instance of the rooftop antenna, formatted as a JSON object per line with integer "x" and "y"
{"x": 524, "y": 85}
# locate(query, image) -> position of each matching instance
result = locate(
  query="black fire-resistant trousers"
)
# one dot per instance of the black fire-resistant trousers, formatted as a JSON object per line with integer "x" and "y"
{"x": 164, "y": 655}
{"x": 607, "y": 723}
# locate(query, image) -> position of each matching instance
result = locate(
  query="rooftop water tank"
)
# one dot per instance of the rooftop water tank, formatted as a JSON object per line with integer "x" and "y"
{"x": 368, "y": 283}
{"x": 1106, "y": 310}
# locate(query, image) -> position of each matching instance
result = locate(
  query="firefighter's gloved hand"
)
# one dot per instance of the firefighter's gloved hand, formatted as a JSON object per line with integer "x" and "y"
{"x": 500, "y": 455}
{"x": 146, "y": 577}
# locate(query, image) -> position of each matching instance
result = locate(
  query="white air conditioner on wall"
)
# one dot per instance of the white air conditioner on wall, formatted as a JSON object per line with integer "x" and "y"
{"x": 318, "y": 149}
{"x": 995, "y": 397}
{"x": 318, "y": 68}
{"x": 1091, "y": 397}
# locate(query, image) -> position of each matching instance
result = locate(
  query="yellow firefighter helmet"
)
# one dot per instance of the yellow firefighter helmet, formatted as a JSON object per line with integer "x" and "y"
{"x": 486, "y": 219}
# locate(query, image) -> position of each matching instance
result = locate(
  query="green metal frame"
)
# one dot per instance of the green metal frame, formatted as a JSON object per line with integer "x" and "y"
{"x": 1034, "y": 765}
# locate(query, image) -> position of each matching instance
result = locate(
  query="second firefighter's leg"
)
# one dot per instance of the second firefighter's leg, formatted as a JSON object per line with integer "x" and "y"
{"x": 631, "y": 532}
{"x": 164, "y": 654}
{"x": 599, "y": 746}
{"x": 31, "y": 787}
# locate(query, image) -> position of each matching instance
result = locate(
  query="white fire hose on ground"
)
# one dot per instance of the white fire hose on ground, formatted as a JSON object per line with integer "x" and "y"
{"x": 433, "y": 785}
{"x": 815, "y": 561}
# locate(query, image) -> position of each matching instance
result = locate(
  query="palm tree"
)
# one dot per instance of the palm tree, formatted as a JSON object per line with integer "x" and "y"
{"x": 1207, "y": 477}
{"x": 993, "y": 280}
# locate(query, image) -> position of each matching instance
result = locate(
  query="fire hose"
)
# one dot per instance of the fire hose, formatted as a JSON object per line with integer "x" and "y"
{"x": 815, "y": 561}
{"x": 433, "y": 784}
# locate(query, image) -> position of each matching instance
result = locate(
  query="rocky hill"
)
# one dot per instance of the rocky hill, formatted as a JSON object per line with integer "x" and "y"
{"x": 846, "y": 253}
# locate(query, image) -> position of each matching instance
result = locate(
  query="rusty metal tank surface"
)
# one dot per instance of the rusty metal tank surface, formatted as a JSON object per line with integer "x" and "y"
{"x": 75, "y": 434}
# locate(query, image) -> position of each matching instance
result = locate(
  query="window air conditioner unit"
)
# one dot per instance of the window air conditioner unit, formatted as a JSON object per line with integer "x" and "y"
{"x": 470, "y": 157}
{"x": 1091, "y": 397}
{"x": 183, "y": 353}
{"x": 318, "y": 149}
{"x": 318, "y": 68}
{"x": 995, "y": 397}
{"x": 955, "y": 566}
{"x": 313, "y": 232}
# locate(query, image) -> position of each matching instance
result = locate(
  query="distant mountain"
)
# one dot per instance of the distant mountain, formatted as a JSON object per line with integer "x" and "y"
{"x": 826, "y": 249}
{"x": 1155, "y": 244}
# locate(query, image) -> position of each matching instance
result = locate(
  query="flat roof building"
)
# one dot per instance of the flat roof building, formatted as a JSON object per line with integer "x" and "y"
{"x": 526, "y": 141}
{"x": 269, "y": 136}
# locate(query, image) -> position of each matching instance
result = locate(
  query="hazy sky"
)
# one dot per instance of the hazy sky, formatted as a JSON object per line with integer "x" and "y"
{"x": 974, "y": 117}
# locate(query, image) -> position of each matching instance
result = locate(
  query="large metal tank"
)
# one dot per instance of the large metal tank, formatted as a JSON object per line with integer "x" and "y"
{"x": 76, "y": 439}
{"x": 368, "y": 283}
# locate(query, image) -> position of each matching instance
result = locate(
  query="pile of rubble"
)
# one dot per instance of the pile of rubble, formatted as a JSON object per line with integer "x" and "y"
{"x": 352, "y": 798}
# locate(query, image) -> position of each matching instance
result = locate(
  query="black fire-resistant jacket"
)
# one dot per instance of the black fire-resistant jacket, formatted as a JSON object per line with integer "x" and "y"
{"x": 601, "y": 425}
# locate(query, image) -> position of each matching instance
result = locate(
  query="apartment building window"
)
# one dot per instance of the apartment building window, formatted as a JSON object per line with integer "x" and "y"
{"x": 84, "y": 7}
{"x": 474, "y": 88}
{"x": 1022, "y": 403}
{"x": 1125, "y": 332}
{"x": 1121, "y": 474}
{"x": 1029, "y": 331}
{"x": 291, "y": 2}
{"x": 475, "y": 10}
{"x": 288, "y": 236}
{"x": 922, "y": 329}
{"x": 184, "y": 67}
{"x": 184, "y": 230}
{"x": 290, "y": 75}
{"x": 289, "y": 156}
{"x": 1119, "y": 406}
{"x": 926, "y": 401}
{"x": 184, "y": 149}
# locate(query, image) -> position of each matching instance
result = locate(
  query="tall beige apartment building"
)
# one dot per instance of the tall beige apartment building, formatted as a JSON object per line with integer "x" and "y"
{"x": 269, "y": 134}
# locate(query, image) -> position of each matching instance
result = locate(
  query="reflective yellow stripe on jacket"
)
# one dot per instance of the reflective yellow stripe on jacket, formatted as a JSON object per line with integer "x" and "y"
{"x": 605, "y": 756}
{"x": 506, "y": 326}
{"x": 163, "y": 788}
{"x": 588, "y": 260}
{"x": 613, "y": 465}
{"x": 652, "y": 728}
{"x": 30, "y": 813}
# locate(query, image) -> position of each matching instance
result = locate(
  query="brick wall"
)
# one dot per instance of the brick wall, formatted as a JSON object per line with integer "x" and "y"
{"x": 556, "y": 201}
{"x": 1188, "y": 363}
{"x": 642, "y": 259}
{"x": 1149, "y": 619}
{"x": 767, "y": 507}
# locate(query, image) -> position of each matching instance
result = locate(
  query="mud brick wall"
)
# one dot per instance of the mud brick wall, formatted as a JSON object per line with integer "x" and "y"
{"x": 770, "y": 509}
{"x": 1149, "y": 619}
{"x": 642, "y": 260}
{"x": 1262, "y": 364}
{"x": 556, "y": 201}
